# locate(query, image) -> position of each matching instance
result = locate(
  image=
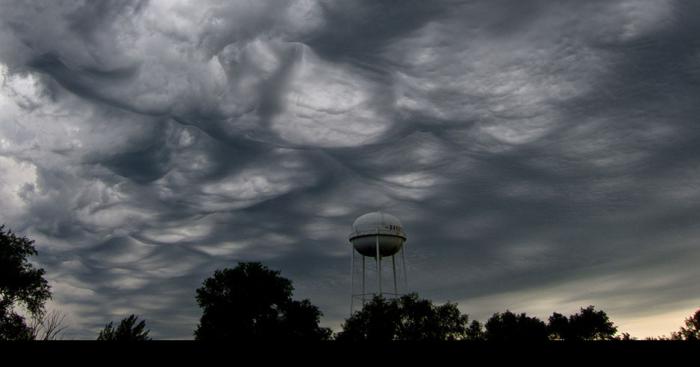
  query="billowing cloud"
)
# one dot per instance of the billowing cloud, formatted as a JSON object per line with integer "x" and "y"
{"x": 542, "y": 157}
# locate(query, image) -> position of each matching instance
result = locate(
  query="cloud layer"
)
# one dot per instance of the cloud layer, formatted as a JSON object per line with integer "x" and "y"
{"x": 542, "y": 157}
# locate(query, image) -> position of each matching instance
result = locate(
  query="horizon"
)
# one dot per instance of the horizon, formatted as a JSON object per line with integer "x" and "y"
{"x": 541, "y": 157}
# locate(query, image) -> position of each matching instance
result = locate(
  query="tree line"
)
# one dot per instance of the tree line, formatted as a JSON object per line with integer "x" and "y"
{"x": 253, "y": 303}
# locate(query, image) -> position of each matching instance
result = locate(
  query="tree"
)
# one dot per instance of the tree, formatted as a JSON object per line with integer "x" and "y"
{"x": 558, "y": 327}
{"x": 12, "y": 326}
{"x": 588, "y": 324}
{"x": 475, "y": 331}
{"x": 377, "y": 321}
{"x": 408, "y": 318}
{"x": 691, "y": 331}
{"x": 21, "y": 285}
{"x": 449, "y": 323}
{"x": 625, "y": 337}
{"x": 48, "y": 326}
{"x": 252, "y": 302}
{"x": 508, "y": 327}
{"x": 128, "y": 330}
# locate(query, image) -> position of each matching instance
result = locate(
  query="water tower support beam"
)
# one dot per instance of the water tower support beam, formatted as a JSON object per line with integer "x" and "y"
{"x": 393, "y": 265}
{"x": 379, "y": 267}
{"x": 403, "y": 260}
{"x": 363, "y": 281}
{"x": 352, "y": 277}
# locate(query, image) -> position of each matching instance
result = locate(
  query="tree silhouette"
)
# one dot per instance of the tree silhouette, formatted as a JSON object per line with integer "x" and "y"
{"x": 559, "y": 328}
{"x": 251, "y": 302}
{"x": 299, "y": 321}
{"x": 128, "y": 330}
{"x": 48, "y": 326}
{"x": 592, "y": 325}
{"x": 377, "y": 321}
{"x": 475, "y": 331}
{"x": 449, "y": 323}
{"x": 691, "y": 331}
{"x": 508, "y": 327}
{"x": 12, "y": 326}
{"x": 21, "y": 285}
{"x": 588, "y": 324}
{"x": 408, "y": 318}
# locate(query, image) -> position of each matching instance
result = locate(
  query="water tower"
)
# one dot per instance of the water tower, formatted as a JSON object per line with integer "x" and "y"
{"x": 376, "y": 235}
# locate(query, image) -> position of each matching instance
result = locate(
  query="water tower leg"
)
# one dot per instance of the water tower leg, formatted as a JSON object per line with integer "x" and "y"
{"x": 393, "y": 266}
{"x": 363, "y": 281}
{"x": 379, "y": 269}
{"x": 403, "y": 260}
{"x": 352, "y": 277}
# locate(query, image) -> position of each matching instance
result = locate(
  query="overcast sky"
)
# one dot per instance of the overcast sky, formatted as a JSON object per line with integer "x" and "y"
{"x": 543, "y": 156}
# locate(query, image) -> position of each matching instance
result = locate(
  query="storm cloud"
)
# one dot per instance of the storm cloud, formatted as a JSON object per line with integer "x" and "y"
{"x": 542, "y": 155}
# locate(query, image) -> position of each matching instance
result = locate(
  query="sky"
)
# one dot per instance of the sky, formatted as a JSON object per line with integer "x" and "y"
{"x": 542, "y": 156}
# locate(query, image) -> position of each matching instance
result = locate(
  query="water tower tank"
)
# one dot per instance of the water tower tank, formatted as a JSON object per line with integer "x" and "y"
{"x": 370, "y": 228}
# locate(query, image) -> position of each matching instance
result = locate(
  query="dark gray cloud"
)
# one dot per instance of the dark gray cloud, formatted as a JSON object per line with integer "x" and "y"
{"x": 541, "y": 156}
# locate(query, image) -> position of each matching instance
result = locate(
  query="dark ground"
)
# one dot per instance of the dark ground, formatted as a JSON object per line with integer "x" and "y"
{"x": 330, "y": 353}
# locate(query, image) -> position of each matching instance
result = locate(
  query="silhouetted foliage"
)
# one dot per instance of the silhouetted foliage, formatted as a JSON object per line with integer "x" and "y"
{"x": 21, "y": 285}
{"x": 128, "y": 330}
{"x": 691, "y": 330}
{"x": 507, "y": 327}
{"x": 656, "y": 338}
{"x": 408, "y": 318}
{"x": 450, "y": 323}
{"x": 12, "y": 326}
{"x": 251, "y": 302}
{"x": 421, "y": 320}
{"x": 558, "y": 327}
{"x": 299, "y": 321}
{"x": 588, "y": 324}
{"x": 475, "y": 331}
{"x": 48, "y": 326}
{"x": 378, "y": 320}
{"x": 625, "y": 337}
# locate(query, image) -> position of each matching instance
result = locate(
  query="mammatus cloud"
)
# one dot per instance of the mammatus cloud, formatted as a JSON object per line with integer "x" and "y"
{"x": 542, "y": 157}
